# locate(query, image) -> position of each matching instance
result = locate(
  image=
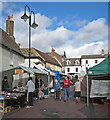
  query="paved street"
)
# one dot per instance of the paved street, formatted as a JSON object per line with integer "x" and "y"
{"x": 51, "y": 108}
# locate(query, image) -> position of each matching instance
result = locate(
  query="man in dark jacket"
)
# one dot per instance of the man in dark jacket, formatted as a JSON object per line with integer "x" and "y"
{"x": 5, "y": 85}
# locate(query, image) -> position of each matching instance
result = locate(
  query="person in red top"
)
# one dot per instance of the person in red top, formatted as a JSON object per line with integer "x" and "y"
{"x": 66, "y": 85}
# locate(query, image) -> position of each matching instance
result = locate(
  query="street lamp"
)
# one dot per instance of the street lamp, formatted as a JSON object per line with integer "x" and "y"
{"x": 34, "y": 25}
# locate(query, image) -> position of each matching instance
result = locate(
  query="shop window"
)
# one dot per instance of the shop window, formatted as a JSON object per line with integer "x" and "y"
{"x": 55, "y": 67}
{"x": 76, "y": 76}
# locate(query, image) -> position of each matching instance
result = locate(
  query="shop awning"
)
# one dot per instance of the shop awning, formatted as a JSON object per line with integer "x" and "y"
{"x": 26, "y": 69}
{"x": 102, "y": 68}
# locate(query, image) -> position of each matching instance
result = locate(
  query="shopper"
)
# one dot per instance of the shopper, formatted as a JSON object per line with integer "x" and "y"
{"x": 31, "y": 88}
{"x": 66, "y": 85}
{"x": 77, "y": 88}
{"x": 5, "y": 85}
{"x": 57, "y": 89}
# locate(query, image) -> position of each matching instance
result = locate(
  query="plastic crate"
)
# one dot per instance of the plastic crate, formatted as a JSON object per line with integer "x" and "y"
{"x": 41, "y": 98}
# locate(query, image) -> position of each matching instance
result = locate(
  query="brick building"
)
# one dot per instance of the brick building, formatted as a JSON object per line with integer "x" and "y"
{"x": 59, "y": 58}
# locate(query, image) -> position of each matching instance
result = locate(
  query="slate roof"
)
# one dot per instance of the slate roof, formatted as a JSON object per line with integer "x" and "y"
{"x": 48, "y": 58}
{"x": 93, "y": 56}
{"x": 36, "y": 54}
{"x": 8, "y": 42}
{"x": 72, "y": 61}
{"x": 25, "y": 52}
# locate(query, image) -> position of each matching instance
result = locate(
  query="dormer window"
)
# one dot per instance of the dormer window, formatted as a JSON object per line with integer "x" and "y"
{"x": 76, "y": 62}
{"x": 68, "y": 62}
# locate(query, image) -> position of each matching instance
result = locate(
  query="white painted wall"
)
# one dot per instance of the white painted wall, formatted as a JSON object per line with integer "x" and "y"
{"x": 35, "y": 61}
{"x": 91, "y": 63}
{"x": 0, "y": 65}
{"x": 6, "y": 59}
{"x": 72, "y": 69}
{"x": 5, "y": 56}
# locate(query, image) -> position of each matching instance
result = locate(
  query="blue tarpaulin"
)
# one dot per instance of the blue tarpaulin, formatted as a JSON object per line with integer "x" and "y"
{"x": 56, "y": 75}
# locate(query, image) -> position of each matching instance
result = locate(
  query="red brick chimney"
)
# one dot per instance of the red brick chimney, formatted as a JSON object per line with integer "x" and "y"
{"x": 64, "y": 54}
{"x": 53, "y": 50}
{"x": 10, "y": 26}
{"x": 19, "y": 45}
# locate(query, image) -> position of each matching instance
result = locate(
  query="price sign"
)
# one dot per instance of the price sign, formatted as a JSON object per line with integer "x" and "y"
{"x": 19, "y": 71}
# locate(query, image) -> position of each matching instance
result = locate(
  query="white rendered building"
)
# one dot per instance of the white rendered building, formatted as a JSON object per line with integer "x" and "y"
{"x": 88, "y": 61}
{"x": 72, "y": 66}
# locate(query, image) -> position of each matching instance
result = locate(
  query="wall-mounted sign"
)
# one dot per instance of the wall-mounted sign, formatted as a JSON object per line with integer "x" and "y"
{"x": 19, "y": 71}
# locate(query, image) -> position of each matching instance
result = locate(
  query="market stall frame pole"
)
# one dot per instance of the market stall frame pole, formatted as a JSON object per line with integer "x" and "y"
{"x": 87, "y": 92}
{"x": 39, "y": 88}
{"x": 48, "y": 81}
{"x": 34, "y": 25}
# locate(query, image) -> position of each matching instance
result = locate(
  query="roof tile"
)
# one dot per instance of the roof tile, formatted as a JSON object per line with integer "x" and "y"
{"x": 8, "y": 42}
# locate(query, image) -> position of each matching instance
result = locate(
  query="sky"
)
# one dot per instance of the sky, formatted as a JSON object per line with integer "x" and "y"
{"x": 79, "y": 28}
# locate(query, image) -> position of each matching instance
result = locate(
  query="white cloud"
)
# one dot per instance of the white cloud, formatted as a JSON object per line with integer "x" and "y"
{"x": 56, "y": 38}
{"x": 95, "y": 30}
{"x": 75, "y": 43}
{"x": 41, "y": 37}
{"x": 72, "y": 21}
{"x": 79, "y": 23}
{"x": 87, "y": 49}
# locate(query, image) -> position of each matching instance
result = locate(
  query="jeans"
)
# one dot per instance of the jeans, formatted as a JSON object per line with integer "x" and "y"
{"x": 66, "y": 93}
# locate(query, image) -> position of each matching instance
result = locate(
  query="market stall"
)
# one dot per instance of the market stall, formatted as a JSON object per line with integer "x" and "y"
{"x": 98, "y": 80}
{"x": 16, "y": 95}
{"x": 8, "y": 101}
{"x": 47, "y": 77}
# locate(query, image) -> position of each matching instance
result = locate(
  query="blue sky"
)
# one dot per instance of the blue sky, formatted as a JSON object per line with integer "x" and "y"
{"x": 73, "y": 20}
{"x": 64, "y": 11}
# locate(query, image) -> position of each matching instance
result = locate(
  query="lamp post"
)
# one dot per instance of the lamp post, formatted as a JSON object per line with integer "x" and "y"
{"x": 34, "y": 25}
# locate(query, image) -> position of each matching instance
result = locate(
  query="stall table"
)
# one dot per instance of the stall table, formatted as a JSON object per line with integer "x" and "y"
{"x": 11, "y": 101}
{"x": 2, "y": 105}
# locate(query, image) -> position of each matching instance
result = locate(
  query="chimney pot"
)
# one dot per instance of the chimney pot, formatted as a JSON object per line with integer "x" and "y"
{"x": 64, "y": 53}
{"x": 10, "y": 27}
{"x": 11, "y": 18}
{"x": 19, "y": 45}
{"x": 102, "y": 51}
{"x": 8, "y": 17}
{"x": 53, "y": 50}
